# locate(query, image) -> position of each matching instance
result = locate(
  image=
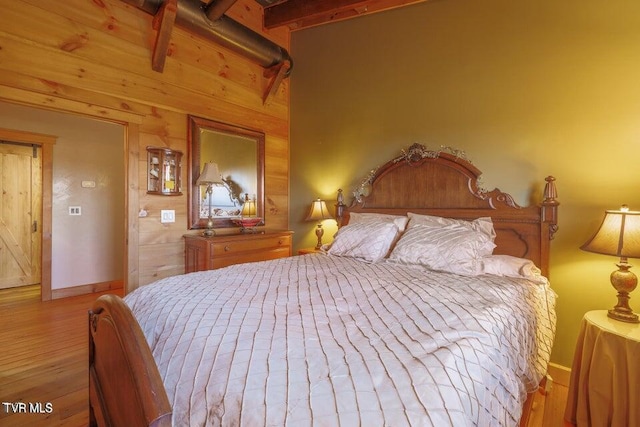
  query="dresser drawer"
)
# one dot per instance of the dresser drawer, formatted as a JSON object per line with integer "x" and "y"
{"x": 206, "y": 253}
{"x": 231, "y": 248}
{"x": 223, "y": 261}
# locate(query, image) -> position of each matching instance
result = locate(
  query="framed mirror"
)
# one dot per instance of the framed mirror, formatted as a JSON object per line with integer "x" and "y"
{"x": 238, "y": 154}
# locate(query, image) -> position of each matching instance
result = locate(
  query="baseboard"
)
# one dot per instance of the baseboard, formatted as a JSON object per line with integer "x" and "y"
{"x": 87, "y": 289}
{"x": 559, "y": 374}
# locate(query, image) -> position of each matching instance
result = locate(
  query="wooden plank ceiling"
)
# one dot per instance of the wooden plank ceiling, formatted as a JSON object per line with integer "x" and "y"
{"x": 298, "y": 14}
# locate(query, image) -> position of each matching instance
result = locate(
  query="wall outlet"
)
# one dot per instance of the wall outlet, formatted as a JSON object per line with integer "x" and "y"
{"x": 75, "y": 210}
{"x": 167, "y": 216}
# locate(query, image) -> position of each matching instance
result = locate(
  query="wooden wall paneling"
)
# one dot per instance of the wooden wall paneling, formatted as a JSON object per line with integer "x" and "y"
{"x": 93, "y": 58}
{"x": 73, "y": 71}
{"x": 278, "y": 185}
{"x": 56, "y": 95}
{"x": 277, "y": 211}
{"x": 152, "y": 231}
{"x": 113, "y": 17}
{"x": 69, "y": 70}
{"x": 97, "y": 27}
{"x": 70, "y": 34}
{"x": 160, "y": 260}
{"x": 50, "y": 102}
{"x": 88, "y": 38}
{"x": 277, "y": 182}
{"x": 94, "y": 44}
{"x": 277, "y": 157}
{"x": 45, "y": 84}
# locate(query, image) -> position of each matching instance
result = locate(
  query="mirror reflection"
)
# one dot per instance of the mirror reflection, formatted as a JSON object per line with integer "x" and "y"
{"x": 226, "y": 171}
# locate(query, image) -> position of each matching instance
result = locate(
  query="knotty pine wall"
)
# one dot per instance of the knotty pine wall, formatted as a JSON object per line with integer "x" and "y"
{"x": 92, "y": 57}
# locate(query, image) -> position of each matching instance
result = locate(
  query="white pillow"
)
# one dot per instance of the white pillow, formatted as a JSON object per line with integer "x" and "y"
{"x": 369, "y": 241}
{"x": 484, "y": 225}
{"x": 453, "y": 248}
{"x": 399, "y": 220}
{"x": 507, "y": 265}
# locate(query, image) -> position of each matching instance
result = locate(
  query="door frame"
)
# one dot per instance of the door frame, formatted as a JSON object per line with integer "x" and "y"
{"x": 131, "y": 123}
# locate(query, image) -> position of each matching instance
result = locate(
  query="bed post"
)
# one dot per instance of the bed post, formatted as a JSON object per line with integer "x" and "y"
{"x": 550, "y": 206}
{"x": 548, "y": 222}
{"x": 340, "y": 206}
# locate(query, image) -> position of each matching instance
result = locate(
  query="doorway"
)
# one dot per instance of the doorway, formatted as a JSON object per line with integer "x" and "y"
{"x": 86, "y": 201}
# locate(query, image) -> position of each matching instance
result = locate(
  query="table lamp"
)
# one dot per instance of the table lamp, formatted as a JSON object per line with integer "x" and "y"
{"x": 619, "y": 235}
{"x": 210, "y": 176}
{"x": 248, "y": 219}
{"x": 318, "y": 212}
{"x": 248, "y": 207}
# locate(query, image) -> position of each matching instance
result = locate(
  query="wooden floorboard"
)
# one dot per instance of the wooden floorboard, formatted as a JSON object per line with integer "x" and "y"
{"x": 44, "y": 360}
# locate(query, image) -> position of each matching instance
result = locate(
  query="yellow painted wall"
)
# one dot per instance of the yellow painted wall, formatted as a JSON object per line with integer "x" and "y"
{"x": 527, "y": 89}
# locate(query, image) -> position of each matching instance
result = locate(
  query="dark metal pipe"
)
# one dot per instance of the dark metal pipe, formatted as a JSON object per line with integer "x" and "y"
{"x": 224, "y": 31}
{"x": 217, "y": 8}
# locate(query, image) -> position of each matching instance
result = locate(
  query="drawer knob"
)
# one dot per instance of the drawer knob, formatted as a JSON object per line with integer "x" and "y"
{"x": 280, "y": 242}
{"x": 227, "y": 248}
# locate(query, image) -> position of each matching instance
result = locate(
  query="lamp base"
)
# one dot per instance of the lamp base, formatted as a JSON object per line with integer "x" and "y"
{"x": 622, "y": 316}
{"x": 209, "y": 231}
{"x": 624, "y": 281}
{"x": 319, "y": 234}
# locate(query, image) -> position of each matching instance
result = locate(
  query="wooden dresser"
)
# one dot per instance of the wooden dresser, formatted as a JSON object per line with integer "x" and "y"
{"x": 206, "y": 253}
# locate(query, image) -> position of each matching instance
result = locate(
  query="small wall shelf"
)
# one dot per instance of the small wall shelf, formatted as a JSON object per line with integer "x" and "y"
{"x": 164, "y": 168}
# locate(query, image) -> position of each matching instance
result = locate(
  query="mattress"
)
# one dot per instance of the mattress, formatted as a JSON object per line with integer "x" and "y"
{"x": 332, "y": 341}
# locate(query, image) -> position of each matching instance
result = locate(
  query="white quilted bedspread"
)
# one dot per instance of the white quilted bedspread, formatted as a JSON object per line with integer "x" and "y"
{"x": 328, "y": 341}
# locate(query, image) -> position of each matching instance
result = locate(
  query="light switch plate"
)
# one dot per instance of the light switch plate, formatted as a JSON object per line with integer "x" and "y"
{"x": 167, "y": 216}
{"x": 75, "y": 210}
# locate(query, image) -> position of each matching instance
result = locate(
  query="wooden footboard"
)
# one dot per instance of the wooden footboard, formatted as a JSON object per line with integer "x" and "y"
{"x": 125, "y": 388}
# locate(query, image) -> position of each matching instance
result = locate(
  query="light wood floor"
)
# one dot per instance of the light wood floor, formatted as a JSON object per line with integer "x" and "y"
{"x": 44, "y": 359}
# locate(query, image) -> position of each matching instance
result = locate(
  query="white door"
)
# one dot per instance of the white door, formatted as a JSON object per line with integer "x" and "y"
{"x": 20, "y": 214}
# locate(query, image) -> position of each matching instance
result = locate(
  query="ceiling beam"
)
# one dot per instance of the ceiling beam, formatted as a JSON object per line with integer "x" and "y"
{"x": 298, "y": 14}
{"x": 163, "y": 23}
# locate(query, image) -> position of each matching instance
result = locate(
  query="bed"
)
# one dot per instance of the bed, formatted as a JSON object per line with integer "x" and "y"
{"x": 384, "y": 328}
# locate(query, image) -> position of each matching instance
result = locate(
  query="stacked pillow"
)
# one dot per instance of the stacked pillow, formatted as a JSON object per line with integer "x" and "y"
{"x": 444, "y": 244}
{"x": 368, "y": 236}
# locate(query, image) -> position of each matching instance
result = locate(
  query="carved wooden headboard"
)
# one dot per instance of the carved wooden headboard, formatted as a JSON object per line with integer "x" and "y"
{"x": 444, "y": 183}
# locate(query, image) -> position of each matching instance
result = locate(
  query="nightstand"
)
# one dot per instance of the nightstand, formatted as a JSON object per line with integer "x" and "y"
{"x": 605, "y": 377}
{"x": 305, "y": 251}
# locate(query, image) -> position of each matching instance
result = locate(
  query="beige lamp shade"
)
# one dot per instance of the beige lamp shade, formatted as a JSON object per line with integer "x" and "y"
{"x": 318, "y": 211}
{"x": 618, "y": 235}
{"x": 210, "y": 175}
